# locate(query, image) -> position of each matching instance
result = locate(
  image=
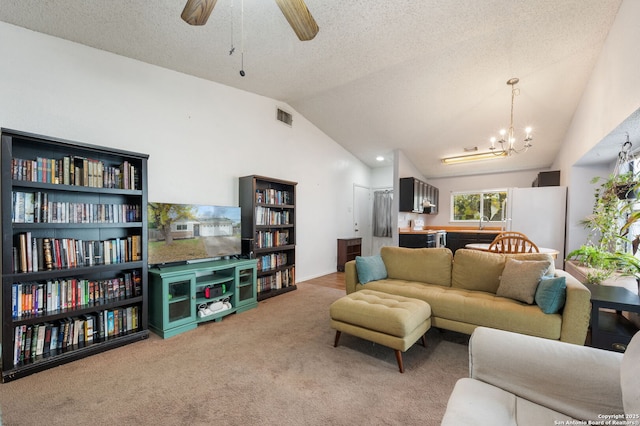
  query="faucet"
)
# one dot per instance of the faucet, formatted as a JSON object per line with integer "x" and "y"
{"x": 483, "y": 218}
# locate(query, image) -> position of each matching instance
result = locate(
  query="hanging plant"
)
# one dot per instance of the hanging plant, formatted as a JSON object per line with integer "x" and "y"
{"x": 625, "y": 182}
{"x": 610, "y": 221}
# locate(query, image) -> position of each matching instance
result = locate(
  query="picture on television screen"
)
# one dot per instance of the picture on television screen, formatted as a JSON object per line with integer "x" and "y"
{"x": 179, "y": 233}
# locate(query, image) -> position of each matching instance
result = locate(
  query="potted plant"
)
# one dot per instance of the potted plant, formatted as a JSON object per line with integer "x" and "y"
{"x": 607, "y": 231}
{"x": 599, "y": 263}
{"x": 627, "y": 264}
{"x": 626, "y": 186}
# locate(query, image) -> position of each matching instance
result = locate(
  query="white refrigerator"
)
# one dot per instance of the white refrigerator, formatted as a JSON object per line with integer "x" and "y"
{"x": 540, "y": 213}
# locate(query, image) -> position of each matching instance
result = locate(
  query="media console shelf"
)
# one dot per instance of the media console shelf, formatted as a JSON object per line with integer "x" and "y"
{"x": 74, "y": 250}
{"x": 177, "y": 292}
{"x": 269, "y": 231}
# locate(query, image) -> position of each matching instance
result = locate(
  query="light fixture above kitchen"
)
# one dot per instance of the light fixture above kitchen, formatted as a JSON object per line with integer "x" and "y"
{"x": 474, "y": 157}
{"x": 507, "y": 139}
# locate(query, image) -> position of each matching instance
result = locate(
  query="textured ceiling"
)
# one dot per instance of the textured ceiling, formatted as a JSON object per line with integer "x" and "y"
{"x": 426, "y": 77}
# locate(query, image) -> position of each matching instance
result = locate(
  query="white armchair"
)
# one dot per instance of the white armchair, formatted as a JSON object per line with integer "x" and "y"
{"x": 517, "y": 379}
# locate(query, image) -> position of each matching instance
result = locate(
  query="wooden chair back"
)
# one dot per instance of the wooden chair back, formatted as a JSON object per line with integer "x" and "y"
{"x": 511, "y": 234}
{"x": 513, "y": 244}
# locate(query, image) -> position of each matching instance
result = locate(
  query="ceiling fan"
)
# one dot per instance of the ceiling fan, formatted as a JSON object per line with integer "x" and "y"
{"x": 196, "y": 12}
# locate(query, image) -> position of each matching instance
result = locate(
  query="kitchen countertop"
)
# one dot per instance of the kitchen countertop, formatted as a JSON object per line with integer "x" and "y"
{"x": 457, "y": 229}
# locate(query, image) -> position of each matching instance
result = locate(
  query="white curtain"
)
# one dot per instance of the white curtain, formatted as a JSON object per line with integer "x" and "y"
{"x": 382, "y": 213}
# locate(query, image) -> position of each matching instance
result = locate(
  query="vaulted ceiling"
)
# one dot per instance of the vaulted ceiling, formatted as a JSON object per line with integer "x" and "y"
{"x": 426, "y": 77}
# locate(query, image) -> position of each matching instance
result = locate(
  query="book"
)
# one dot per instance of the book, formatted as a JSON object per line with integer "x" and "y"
{"x": 18, "y": 207}
{"x": 89, "y": 328}
{"x": 22, "y": 244}
{"x": 18, "y": 342}
{"x": 46, "y": 350}
{"x": 47, "y": 253}
{"x": 34, "y": 340}
{"x": 110, "y": 324}
{"x": 55, "y": 330}
{"x": 27, "y": 342}
{"x": 29, "y": 216}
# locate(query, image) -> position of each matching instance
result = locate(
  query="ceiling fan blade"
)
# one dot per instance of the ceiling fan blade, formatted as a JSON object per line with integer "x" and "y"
{"x": 196, "y": 12}
{"x": 299, "y": 18}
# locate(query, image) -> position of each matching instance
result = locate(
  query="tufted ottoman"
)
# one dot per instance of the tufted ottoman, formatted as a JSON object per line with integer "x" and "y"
{"x": 393, "y": 321}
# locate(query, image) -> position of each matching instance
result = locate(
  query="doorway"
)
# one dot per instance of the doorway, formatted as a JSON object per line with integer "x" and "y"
{"x": 362, "y": 207}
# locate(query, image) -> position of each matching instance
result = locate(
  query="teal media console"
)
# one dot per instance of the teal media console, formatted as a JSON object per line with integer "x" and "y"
{"x": 177, "y": 293}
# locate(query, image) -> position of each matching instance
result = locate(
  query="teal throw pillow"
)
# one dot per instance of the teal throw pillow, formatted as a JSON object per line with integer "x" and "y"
{"x": 370, "y": 268}
{"x": 551, "y": 294}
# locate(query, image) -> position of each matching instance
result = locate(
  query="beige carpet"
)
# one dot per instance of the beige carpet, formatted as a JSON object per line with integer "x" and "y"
{"x": 273, "y": 365}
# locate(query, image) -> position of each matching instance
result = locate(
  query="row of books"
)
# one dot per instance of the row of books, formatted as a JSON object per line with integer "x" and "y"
{"x": 280, "y": 279}
{"x": 271, "y": 261}
{"x": 35, "y": 207}
{"x": 44, "y": 298}
{"x": 33, "y": 342}
{"x": 267, "y": 216}
{"x": 273, "y": 196}
{"x": 76, "y": 170}
{"x": 267, "y": 239}
{"x": 31, "y": 254}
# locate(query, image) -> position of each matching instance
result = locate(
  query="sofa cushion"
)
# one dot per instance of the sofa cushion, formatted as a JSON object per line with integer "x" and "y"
{"x": 473, "y": 402}
{"x": 475, "y": 307}
{"x": 520, "y": 279}
{"x": 370, "y": 268}
{"x": 551, "y": 294}
{"x": 534, "y": 256}
{"x": 426, "y": 265}
{"x": 629, "y": 373}
{"x": 477, "y": 270}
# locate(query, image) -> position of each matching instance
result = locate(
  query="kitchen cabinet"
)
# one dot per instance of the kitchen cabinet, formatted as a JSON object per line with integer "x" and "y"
{"x": 414, "y": 193}
{"x": 458, "y": 240}
{"x": 417, "y": 240}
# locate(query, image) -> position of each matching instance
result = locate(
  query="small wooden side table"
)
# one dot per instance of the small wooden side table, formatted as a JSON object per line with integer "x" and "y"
{"x": 609, "y": 329}
{"x": 348, "y": 249}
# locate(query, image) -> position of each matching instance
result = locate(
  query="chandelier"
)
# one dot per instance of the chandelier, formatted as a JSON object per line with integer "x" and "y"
{"x": 507, "y": 139}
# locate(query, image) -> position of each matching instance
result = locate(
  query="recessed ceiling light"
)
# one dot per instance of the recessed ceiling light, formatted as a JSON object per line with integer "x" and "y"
{"x": 380, "y": 158}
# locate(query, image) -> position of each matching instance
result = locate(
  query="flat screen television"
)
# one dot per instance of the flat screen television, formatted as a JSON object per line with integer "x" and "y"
{"x": 185, "y": 233}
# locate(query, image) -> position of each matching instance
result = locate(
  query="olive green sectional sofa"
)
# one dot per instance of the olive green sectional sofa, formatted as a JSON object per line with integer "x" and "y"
{"x": 476, "y": 288}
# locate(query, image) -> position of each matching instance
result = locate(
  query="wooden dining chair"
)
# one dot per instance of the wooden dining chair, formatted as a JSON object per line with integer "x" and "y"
{"x": 511, "y": 234}
{"x": 513, "y": 244}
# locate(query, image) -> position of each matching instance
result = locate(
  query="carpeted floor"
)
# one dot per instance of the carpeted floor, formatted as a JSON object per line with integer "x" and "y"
{"x": 273, "y": 365}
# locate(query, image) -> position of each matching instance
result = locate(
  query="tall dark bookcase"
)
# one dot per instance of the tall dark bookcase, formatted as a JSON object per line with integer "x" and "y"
{"x": 269, "y": 231}
{"x": 74, "y": 251}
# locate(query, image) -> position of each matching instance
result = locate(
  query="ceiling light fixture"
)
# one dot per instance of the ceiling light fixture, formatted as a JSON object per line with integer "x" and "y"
{"x": 507, "y": 139}
{"x": 474, "y": 157}
{"x": 380, "y": 158}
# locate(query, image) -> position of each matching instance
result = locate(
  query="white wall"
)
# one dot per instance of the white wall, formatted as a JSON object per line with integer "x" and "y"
{"x": 580, "y": 201}
{"x": 474, "y": 183}
{"x": 612, "y": 94}
{"x": 201, "y": 136}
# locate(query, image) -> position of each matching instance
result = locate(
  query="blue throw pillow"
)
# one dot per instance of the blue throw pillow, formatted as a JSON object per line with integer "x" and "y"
{"x": 370, "y": 268}
{"x": 551, "y": 294}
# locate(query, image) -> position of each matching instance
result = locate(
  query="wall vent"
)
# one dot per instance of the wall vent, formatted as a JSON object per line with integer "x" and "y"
{"x": 284, "y": 116}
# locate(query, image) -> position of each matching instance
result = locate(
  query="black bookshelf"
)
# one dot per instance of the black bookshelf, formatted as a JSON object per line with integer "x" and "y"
{"x": 269, "y": 231}
{"x": 82, "y": 210}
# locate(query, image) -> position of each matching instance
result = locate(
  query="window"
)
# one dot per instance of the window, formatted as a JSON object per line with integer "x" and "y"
{"x": 471, "y": 206}
{"x": 181, "y": 227}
